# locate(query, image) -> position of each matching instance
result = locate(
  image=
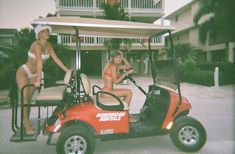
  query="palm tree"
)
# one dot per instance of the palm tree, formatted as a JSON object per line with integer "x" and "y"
{"x": 220, "y": 19}
{"x": 207, "y": 27}
{"x": 112, "y": 11}
{"x": 183, "y": 52}
{"x": 112, "y": 2}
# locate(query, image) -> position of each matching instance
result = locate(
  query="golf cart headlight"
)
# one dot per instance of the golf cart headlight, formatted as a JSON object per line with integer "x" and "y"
{"x": 169, "y": 125}
{"x": 57, "y": 125}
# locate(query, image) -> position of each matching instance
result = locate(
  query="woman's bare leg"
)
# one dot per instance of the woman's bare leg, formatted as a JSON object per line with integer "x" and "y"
{"x": 31, "y": 89}
{"x": 22, "y": 80}
{"x": 125, "y": 93}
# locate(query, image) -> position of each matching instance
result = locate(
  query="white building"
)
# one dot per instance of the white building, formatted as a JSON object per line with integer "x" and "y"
{"x": 94, "y": 54}
{"x": 186, "y": 32}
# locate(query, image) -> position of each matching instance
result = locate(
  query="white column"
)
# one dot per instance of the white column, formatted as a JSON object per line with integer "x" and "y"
{"x": 216, "y": 77}
{"x": 231, "y": 48}
{"x": 208, "y": 56}
{"x": 163, "y": 5}
{"x": 58, "y": 39}
{"x": 94, "y": 4}
{"x": 162, "y": 21}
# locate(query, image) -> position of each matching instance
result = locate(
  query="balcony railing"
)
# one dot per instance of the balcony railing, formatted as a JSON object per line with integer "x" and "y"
{"x": 80, "y": 3}
{"x": 126, "y": 4}
{"x": 99, "y": 41}
{"x": 141, "y": 4}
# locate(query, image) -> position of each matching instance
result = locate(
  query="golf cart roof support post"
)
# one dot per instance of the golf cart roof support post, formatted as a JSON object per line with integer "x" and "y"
{"x": 78, "y": 59}
{"x": 153, "y": 71}
{"x": 176, "y": 72}
{"x": 78, "y": 49}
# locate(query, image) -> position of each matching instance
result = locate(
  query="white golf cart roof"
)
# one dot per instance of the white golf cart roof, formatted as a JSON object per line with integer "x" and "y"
{"x": 101, "y": 27}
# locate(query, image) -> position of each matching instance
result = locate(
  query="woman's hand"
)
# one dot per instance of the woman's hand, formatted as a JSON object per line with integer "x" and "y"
{"x": 69, "y": 70}
{"x": 130, "y": 71}
{"x": 37, "y": 84}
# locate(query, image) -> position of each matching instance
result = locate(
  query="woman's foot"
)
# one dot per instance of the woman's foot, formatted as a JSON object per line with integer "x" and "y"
{"x": 29, "y": 130}
{"x": 133, "y": 119}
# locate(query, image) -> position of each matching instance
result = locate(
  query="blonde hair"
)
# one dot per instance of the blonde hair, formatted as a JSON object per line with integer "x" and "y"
{"x": 115, "y": 53}
{"x": 112, "y": 55}
{"x": 107, "y": 65}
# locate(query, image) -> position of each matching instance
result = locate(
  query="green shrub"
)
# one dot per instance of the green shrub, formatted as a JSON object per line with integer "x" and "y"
{"x": 201, "y": 77}
{"x": 189, "y": 72}
{"x": 203, "y": 73}
{"x": 226, "y": 71}
{"x": 6, "y": 75}
{"x": 188, "y": 66}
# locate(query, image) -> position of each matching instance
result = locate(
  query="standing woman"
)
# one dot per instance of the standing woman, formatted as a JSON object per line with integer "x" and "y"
{"x": 31, "y": 71}
{"x": 111, "y": 76}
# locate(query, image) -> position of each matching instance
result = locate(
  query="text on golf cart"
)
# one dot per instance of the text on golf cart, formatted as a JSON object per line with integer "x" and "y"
{"x": 110, "y": 116}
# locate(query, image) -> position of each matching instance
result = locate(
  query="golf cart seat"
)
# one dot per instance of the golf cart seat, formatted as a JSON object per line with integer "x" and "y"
{"x": 53, "y": 96}
{"x": 105, "y": 103}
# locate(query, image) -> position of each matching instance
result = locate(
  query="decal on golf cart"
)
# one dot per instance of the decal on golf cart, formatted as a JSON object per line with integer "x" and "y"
{"x": 107, "y": 131}
{"x": 157, "y": 92}
{"x": 110, "y": 116}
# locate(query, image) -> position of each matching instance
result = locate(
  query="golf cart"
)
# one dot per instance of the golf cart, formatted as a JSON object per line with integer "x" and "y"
{"x": 81, "y": 113}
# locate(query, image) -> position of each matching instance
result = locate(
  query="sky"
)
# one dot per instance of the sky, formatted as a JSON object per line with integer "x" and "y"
{"x": 19, "y": 13}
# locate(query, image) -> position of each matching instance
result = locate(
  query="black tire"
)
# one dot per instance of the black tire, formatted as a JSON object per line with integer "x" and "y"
{"x": 81, "y": 138}
{"x": 188, "y": 134}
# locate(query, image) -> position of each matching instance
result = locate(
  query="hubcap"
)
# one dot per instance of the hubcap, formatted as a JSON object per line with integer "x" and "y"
{"x": 75, "y": 145}
{"x": 188, "y": 135}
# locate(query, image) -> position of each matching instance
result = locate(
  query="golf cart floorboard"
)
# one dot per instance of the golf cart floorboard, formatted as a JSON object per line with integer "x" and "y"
{"x": 137, "y": 129}
{"x": 37, "y": 126}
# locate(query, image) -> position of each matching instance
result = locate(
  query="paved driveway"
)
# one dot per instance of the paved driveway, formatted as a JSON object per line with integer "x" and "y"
{"x": 214, "y": 107}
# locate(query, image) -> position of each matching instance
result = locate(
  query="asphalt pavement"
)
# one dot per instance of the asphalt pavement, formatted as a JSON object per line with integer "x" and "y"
{"x": 212, "y": 106}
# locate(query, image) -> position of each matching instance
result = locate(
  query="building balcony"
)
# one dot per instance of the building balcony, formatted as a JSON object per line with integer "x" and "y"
{"x": 97, "y": 43}
{"x": 140, "y": 10}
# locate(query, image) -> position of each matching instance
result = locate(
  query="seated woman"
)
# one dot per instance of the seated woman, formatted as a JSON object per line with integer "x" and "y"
{"x": 111, "y": 76}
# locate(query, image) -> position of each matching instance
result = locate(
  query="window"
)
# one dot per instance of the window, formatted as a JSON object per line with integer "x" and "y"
{"x": 176, "y": 18}
{"x": 178, "y": 37}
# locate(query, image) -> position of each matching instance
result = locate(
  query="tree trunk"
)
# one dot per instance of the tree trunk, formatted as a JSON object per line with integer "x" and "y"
{"x": 112, "y": 2}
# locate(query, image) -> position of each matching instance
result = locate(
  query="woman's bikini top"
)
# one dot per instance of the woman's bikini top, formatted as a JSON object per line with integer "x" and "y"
{"x": 44, "y": 56}
{"x": 108, "y": 74}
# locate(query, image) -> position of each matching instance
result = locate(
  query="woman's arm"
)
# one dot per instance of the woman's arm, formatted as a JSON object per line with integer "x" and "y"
{"x": 127, "y": 65}
{"x": 56, "y": 59}
{"x": 116, "y": 79}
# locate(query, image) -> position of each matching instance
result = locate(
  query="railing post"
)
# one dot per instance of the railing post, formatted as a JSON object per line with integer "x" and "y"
{"x": 94, "y": 4}
{"x": 57, "y": 2}
{"x": 59, "y": 39}
{"x": 162, "y": 4}
{"x": 70, "y": 40}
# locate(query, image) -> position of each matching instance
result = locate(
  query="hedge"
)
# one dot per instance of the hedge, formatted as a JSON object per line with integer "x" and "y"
{"x": 226, "y": 71}
{"x": 197, "y": 76}
{"x": 203, "y": 73}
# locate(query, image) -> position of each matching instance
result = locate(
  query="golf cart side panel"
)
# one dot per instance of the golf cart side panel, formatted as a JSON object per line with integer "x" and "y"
{"x": 185, "y": 106}
{"x": 103, "y": 121}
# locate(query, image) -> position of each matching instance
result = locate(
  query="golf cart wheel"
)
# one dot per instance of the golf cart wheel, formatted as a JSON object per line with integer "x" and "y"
{"x": 188, "y": 134}
{"x": 75, "y": 139}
